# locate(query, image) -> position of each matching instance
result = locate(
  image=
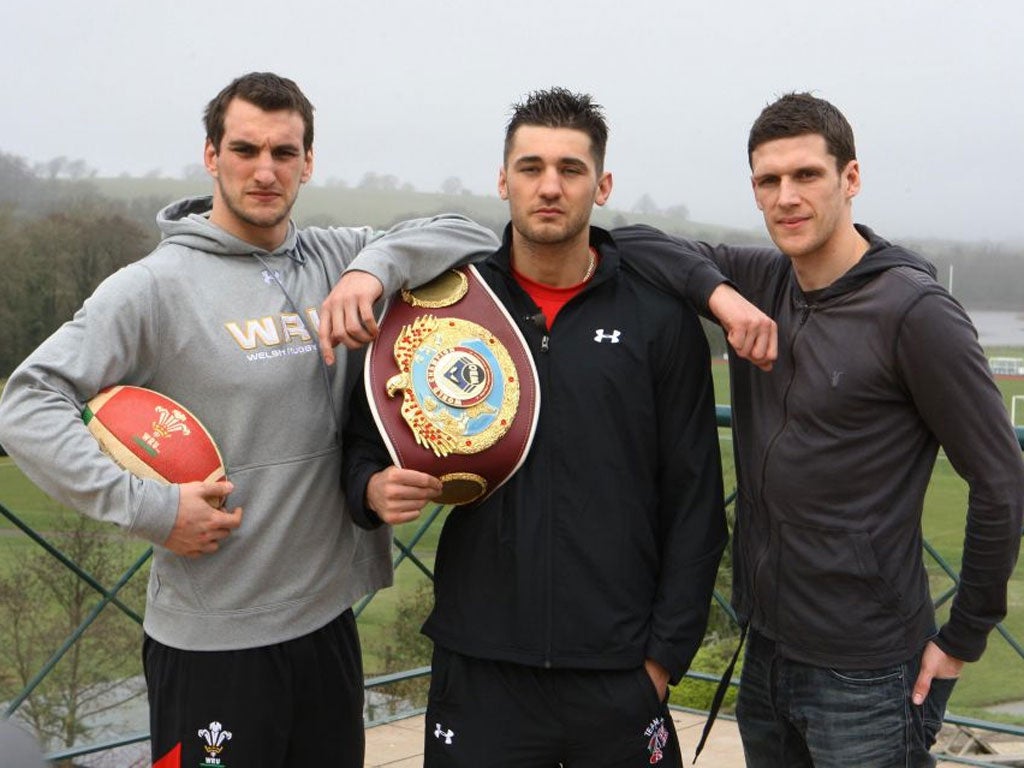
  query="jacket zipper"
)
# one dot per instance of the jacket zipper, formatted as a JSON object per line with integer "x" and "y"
{"x": 550, "y": 526}
{"x": 530, "y": 323}
{"x": 805, "y": 313}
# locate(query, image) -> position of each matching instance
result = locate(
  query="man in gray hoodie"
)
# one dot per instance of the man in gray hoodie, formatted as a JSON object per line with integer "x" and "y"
{"x": 251, "y": 653}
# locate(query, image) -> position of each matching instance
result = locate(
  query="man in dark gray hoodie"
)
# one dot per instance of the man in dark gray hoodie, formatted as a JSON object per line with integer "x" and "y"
{"x": 878, "y": 367}
{"x": 251, "y": 653}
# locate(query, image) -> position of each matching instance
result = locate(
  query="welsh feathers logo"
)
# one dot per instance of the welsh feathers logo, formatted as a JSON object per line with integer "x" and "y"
{"x": 168, "y": 421}
{"x": 215, "y": 737}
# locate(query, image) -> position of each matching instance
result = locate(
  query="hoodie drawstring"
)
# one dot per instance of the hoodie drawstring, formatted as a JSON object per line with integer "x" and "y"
{"x": 297, "y": 256}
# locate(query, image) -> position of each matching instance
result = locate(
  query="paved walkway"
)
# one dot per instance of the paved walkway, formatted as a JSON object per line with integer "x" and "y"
{"x": 400, "y": 744}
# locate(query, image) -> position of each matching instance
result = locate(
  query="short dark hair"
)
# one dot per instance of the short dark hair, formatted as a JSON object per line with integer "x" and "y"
{"x": 800, "y": 114}
{"x": 265, "y": 90}
{"x": 561, "y": 108}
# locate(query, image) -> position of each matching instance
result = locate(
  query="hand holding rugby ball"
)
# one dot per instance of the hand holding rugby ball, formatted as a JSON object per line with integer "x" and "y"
{"x": 153, "y": 436}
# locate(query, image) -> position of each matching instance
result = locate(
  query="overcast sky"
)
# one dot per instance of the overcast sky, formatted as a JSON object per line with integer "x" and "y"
{"x": 421, "y": 90}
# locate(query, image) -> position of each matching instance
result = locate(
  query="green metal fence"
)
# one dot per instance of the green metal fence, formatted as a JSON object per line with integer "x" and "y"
{"x": 107, "y": 599}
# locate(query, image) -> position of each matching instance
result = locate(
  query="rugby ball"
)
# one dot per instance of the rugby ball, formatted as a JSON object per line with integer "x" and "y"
{"x": 153, "y": 436}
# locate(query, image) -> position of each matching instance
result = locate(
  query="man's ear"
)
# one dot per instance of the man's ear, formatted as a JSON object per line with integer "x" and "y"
{"x": 210, "y": 158}
{"x": 604, "y": 188}
{"x": 307, "y": 170}
{"x": 502, "y": 183}
{"x": 851, "y": 179}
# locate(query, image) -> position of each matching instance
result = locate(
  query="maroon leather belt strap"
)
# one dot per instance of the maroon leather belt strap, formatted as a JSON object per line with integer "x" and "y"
{"x": 452, "y": 385}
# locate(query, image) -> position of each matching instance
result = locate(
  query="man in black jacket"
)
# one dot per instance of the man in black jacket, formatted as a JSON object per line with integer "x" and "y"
{"x": 878, "y": 366}
{"x": 567, "y": 601}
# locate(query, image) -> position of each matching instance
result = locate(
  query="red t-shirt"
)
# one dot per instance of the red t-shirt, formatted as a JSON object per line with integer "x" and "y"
{"x": 550, "y": 299}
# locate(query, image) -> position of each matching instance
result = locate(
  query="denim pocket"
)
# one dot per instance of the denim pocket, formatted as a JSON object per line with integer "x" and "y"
{"x": 857, "y": 717}
{"x": 933, "y": 711}
{"x": 867, "y": 676}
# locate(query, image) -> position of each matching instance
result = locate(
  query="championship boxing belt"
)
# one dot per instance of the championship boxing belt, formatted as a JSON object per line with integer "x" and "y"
{"x": 452, "y": 385}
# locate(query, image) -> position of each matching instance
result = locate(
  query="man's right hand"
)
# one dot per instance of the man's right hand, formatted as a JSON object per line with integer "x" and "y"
{"x": 201, "y": 524}
{"x": 752, "y": 333}
{"x": 397, "y": 495}
{"x": 346, "y": 316}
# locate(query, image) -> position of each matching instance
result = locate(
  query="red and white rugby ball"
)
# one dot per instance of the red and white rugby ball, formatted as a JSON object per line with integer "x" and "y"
{"x": 153, "y": 436}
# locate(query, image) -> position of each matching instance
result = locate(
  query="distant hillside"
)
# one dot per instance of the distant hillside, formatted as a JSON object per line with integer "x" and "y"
{"x": 988, "y": 276}
{"x": 324, "y": 205}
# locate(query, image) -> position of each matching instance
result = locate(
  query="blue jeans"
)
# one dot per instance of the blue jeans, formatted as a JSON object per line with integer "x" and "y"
{"x": 793, "y": 715}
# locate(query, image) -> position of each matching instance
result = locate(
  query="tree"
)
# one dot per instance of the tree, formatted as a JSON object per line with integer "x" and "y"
{"x": 194, "y": 172}
{"x": 452, "y": 186}
{"x": 645, "y": 205}
{"x": 16, "y": 179}
{"x": 52, "y": 264}
{"x": 43, "y": 604}
{"x": 679, "y": 212}
{"x": 55, "y": 166}
{"x": 379, "y": 182}
{"x": 407, "y": 648}
{"x": 13, "y": 294}
{"x": 77, "y": 170}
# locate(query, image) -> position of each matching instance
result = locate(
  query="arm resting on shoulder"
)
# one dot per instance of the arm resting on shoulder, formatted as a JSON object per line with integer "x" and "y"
{"x": 699, "y": 274}
{"x": 409, "y": 254}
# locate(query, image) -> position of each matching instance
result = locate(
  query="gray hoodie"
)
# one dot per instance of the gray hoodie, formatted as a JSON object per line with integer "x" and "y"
{"x": 228, "y": 330}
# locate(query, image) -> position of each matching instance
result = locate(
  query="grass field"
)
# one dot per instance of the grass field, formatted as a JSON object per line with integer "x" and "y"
{"x": 998, "y": 677}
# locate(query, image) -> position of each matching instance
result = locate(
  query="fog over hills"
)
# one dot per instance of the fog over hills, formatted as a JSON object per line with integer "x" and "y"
{"x": 421, "y": 91}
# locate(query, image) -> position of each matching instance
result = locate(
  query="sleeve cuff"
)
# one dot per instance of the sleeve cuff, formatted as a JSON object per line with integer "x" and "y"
{"x": 157, "y": 512}
{"x": 355, "y": 495}
{"x": 961, "y": 644}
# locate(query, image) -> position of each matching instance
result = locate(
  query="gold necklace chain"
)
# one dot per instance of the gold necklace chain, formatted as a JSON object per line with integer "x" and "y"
{"x": 591, "y": 266}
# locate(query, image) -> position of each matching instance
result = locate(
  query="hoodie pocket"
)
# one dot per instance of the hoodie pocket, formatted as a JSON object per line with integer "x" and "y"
{"x": 832, "y": 597}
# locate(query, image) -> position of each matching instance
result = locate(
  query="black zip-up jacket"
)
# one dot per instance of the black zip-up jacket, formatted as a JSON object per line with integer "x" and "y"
{"x": 835, "y": 448}
{"x": 602, "y": 549}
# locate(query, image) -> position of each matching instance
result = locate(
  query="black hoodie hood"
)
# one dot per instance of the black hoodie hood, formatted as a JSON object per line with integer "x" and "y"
{"x": 881, "y": 256}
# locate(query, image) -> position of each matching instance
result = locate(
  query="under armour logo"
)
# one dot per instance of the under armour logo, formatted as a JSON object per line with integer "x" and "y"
{"x": 835, "y": 377}
{"x": 270, "y": 277}
{"x": 440, "y": 734}
{"x": 613, "y": 337}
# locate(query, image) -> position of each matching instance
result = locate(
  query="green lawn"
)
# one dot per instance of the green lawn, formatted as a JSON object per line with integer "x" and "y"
{"x": 28, "y": 502}
{"x": 999, "y": 676}
{"x": 32, "y": 506}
